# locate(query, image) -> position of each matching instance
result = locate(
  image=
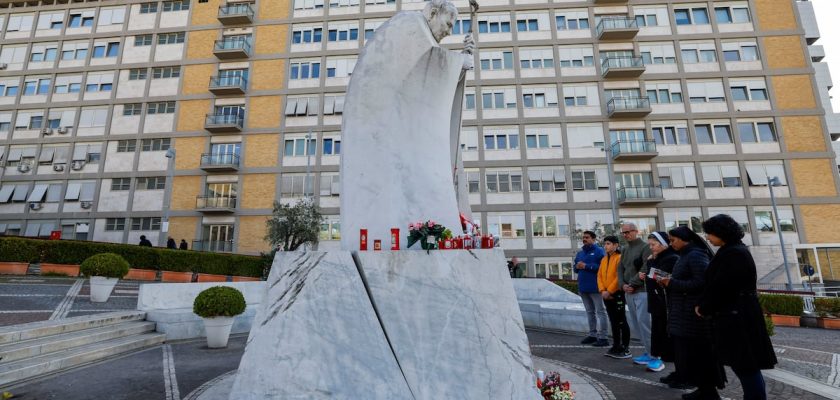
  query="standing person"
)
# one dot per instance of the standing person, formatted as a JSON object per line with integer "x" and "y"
{"x": 662, "y": 258}
{"x": 614, "y": 299}
{"x": 144, "y": 242}
{"x": 170, "y": 243}
{"x": 515, "y": 270}
{"x": 695, "y": 360}
{"x": 730, "y": 300}
{"x": 184, "y": 245}
{"x": 587, "y": 262}
{"x": 633, "y": 258}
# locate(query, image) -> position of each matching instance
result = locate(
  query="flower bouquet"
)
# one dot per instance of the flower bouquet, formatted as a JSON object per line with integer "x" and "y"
{"x": 427, "y": 233}
{"x": 555, "y": 389}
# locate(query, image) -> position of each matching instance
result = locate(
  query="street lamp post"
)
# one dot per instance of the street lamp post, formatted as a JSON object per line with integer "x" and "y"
{"x": 170, "y": 156}
{"x": 774, "y": 181}
{"x": 308, "y": 168}
{"x": 608, "y": 151}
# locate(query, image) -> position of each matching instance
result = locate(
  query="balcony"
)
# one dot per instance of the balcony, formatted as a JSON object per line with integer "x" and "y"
{"x": 629, "y": 195}
{"x": 215, "y": 204}
{"x": 224, "y": 123}
{"x": 617, "y": 28}
{"x": 215, "y": 246}
{"x": 220, "y": 162}
{"x": 633, "y": 150}
{"x": 228, "y": 84}
{"x": 628, "y": 107}
{"x": 229, "y": 49}
{"x": 622, "y": 67}
{"x": 236, "y": 14}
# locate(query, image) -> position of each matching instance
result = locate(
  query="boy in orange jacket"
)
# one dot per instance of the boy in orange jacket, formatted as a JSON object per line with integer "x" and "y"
{"x": 614, "y": 299}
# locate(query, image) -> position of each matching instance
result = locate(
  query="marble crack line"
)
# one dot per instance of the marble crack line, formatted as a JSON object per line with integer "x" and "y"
{"x": 301, "y": 272}
{"x": 288, "y": 271}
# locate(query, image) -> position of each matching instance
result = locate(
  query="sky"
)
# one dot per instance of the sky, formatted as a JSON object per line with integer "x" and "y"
{"x": 827, "y": 11}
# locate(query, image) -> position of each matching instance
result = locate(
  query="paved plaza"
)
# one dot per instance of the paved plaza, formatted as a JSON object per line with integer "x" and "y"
{"x": 177, "y": 369}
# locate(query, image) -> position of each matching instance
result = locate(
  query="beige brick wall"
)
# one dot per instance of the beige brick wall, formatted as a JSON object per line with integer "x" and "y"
{"x": 784, "y": 52}
{"x": 197, "y": 78}
{"x": 200, "y": 44}
{"x": 261, "y": 150}
{"x": 205, "y": 13}
{"x": 251, "y": 233}
{"x": 258, "y": 190}
{"x": 191, "y": 114}
{"x": 264, "y": 112}
{"x": 775, "y": 14}
{"x": 268, "y": 75}
{"x": 820, "y": 222}
{"x": 273, "y": 9}
{"x": 185, "y": 190}
{"x": 813, "y": 177}
{"x": 183, "y": 228}
{"x": 271, "y": 39}
{"x": 803, "y": 133}
{"x": 793, "y": 92}
{"x": 188, "y": 152}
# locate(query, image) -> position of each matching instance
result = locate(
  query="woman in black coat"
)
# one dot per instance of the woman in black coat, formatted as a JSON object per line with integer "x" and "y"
{"x": 730, "y": 300}
{"x": 694, "y": 353}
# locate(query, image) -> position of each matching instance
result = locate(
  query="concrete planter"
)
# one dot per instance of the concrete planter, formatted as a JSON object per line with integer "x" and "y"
{"x": 172, "y": 276}
{"x": 136, "y": 274}
{"x": 218, "y": 331}
{"x": 211, "y": 278}
{"x": 13, "y": 268}
{"x": 785, "y": 320}
{"x": 245, "y": 279}
{"x": 828, "y": 323}
{"x": 65, "y": 269}
{"x": 101, "y": 287}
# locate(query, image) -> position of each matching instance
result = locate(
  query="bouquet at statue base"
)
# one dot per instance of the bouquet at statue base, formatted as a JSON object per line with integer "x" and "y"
{"x": 427, "y": 233}
{"x": 552, "y": 388}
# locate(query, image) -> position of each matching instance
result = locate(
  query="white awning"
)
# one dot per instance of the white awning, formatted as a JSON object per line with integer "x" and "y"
{"x": 6, "y": 193}
{"x": 60, "y": 156}
{"x": 291, "y": 104}
{"x": 80, "y": 152}
{"x": 38, "y": 192}
{"x": 47, "y": 154}
{"x": 20, "y": 192}
{"x": 28, "y": 152}
{"x": 559, "y": 175}
{"x": 14, "y": 154}
{"x": 534, "y": 175}
{"x": 301, "y": 107}
{"x": 339, "y": 105}
{"x": 73, "y": 190}
{"x": 757, "y": 175}
{"x": 88, "y": 188}
{"x": 329, "y": 105}
{"x": 313, "y": 106}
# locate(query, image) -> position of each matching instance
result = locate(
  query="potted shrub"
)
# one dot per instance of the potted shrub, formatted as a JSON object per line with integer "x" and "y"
{"x": 104, "y": 270}
{"x": 218, "y": 305}
{"x": 784, "y": 310}
{"x": 16, "y": 254}
{"x": 828, "y": 309}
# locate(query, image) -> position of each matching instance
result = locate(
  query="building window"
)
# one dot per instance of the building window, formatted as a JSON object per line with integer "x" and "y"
{"x": 732, "y": 15}
{"x": 706, "y": 92}
{"x": 119, "y": 184}
{"x": 713, "y": 134}
{"x": 330, "y": 230}
{"x": 546, "y": 180}
{"x": 493, "y": 25}
{"x": 143, "y": 40}
{"x": 504, "y": 181}
{"x": 166, "y": 72}
{"x": 692, "y": 16}
{"x": 758, "y": 174}
{"x": 721, "y": 176}
{"x": 114, "y": 224}
{"x": 43, "y": 54}
{"x": 145, "y": 224}
{"x": 536, "y": 59}
{"x": 176, "y": 5}
{"x": 297, "y": 147}
{"x": 461, "y": 27}
{"x": 664, "y": 93}
{"x": 136, "y": 74}
{"x": 548, "y": 226}
{"x": 126, "y": 146}
{"x": 735, "y": 52}
{"x": 677, "y": 177}
{"x": 79, "y": 20}
{"x": 111, "y": 49}
{"x": 747, "y": 93}
{"x": 295, "y": 185}
{"x": 163, "y": 107}
{"x": 307, "y": 35}
{"x": 151, "y": 183}
{"x": 318, "y": 4}
{"x": 496, "y": 60}
{"x": 343, "y": 33}
{"x": 171, "y": 38}
{"x": 576, "y": 57}
{"x": 496, "y": 99}
{"x": 537, "y": 141}
{"x": 570, "y": 22}
{"x": 658, "y": 54}
{"x": 670, "y": 135}
{"x": 155, "y": 144}
{"x": 765, "y": 222}
{"x": 584, "y": 180}
{"x": 756, "y": 132}
{"x": 332, "y": 147}
{"x": 469, "y": 101}
{"x": 501, "y": 141}
{"x": 527, "y": 25}
{"x": 305, "y": 70}
{"x": 149, "y": 8}
{"x": 473, "y": 183}
{"x": 132, "y": 109}
{"x": 695, "y": 56}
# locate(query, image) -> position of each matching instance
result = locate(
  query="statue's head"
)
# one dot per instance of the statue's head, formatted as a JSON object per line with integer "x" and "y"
{"x": 441, "y": 16}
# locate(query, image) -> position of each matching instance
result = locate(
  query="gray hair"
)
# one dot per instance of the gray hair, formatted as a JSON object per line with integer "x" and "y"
{"x": 631, "y": 225}
{"x": 439, "y": 6}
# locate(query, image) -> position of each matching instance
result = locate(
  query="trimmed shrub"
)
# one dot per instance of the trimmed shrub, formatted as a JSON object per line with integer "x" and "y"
{"x": 219, "y": 301}
{"x": 108, "y": 265}
{"x": 781, "y": 304}
{"x": 18, "y": 250}
{"x": 827, "y": 306}
{"x": 571, "y": 286}
{"x": 771, "y": 327}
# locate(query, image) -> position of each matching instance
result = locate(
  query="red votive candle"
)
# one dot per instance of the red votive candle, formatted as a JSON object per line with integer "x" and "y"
{"x": 363, "y": 239}
{"x": 377, "y": 245}
{"x": 395, "y": 238}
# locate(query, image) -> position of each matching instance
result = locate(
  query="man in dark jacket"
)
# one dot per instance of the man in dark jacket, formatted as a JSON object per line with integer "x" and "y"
{"x": 515, "y": 269}
{"x": 587, "y": 262}
{"x": 633, "y": 257}
{"x": 144, "y": 242}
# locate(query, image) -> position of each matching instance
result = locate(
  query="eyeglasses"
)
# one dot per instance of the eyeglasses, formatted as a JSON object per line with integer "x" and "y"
{"x": 627, "y": 232}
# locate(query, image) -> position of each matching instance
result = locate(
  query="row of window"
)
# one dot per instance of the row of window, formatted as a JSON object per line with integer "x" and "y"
{"x": 80, "y": 18}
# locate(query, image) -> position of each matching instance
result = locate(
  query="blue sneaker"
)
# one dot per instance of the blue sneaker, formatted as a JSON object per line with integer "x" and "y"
{"x": 656, "y": 365}
{"x": 643, "y": 359}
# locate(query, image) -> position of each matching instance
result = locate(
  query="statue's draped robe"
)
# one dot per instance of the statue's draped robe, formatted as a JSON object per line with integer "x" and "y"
{"x": 400, "y": 134}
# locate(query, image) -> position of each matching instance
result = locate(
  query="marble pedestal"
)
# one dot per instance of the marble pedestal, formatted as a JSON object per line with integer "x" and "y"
{"x": 387, "y": 325}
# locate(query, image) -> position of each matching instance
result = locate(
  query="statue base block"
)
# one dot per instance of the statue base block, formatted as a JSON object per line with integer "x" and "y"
{"x": 395, "y": 325}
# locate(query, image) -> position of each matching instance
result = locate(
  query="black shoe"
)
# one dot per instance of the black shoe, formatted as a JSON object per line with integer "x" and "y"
{"x": 702, "y": 394}
{"x": 601, "y": 343}
{"x": 672, "y": 377}
{"x": 589, "y": 340}
{"x": 618, "y": 354}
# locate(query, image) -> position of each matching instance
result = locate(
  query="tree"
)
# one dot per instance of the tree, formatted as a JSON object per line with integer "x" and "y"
{"x": 600, "y": 229}
{"x": 294, "y": 225}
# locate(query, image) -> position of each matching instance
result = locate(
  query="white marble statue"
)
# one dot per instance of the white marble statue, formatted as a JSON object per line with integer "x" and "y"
{"x": 400, "y": 134}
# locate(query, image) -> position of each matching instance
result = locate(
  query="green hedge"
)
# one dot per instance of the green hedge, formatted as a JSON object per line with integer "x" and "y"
{"x": 771, "y": 327}
{"x": 219, "y": 301}
{"x": 827, "y": 306}
{"x": 781, "y": 304}
{"x": 571, "y": 286}
{"x": 76, "y": 252}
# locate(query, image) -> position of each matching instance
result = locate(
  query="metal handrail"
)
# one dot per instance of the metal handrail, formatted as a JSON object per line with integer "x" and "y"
{"x": 233, "y": 44}
{"x": 236, "y": 9}
{"x": 223, "y": 119}
{"x": 639, "y": 192}
{"x": 627, "y": 103}
{"x": 215, "y": 202}
{"x": 633, "y": 146}
{"x": 615, "y": 23}
{"x": 221, "y": 246}
{"x": 220, "y": 159}
{"x": 228, "y": 81}
{"x": 622, "y": 62}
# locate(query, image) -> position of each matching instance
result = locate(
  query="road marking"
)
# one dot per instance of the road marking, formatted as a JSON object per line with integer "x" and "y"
{"x": 31, "y": 295}
{"x": 612, "y": 374}
{"x": 834, "y": 378}
{"x": 804, "y": 349}
{"x": 169, "y": 378}
{"x": 804, "y": 362}
{"x": 572, "y": 346}
{"x": 27, "y": 280}
{"x": 66, "y": 304}
{"x": 24, "y": 311}
{"x": 126, "y": 291}
{"x": 801, "y": 382}
{"x": 196, "y": 394}
{"x": 37, "y": 284}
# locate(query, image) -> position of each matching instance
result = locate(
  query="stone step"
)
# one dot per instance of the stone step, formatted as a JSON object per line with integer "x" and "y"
{"x": 50, "y": 344}
{"x": 34, "y": 330}
{"x": 17, "y": 371}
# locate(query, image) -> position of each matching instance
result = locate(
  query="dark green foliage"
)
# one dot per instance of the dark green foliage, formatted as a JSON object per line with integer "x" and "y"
{"x": 771, "y": 327}
{"x": 18, "y": 250}
{"x": 827, "y": 306}
{"x": 292, "y": 226}
{"x": 571, "y": 286}
{"x": 108, "y": 265}
{"x": 219, "y": 301}
{"x": 781, "y": 304}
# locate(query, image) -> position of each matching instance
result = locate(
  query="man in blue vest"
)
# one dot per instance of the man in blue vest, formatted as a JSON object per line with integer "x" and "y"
{"x": 587, "y": 262}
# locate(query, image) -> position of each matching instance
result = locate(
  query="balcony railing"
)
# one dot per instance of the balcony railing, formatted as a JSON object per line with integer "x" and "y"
{"x": 622, "y": 67}
{"x": 237, "y": 13}
{"x": 617, "y": 28}
{"x": 224, "y": 123}
{"x": 232, "y": 48}
{"x": 633, "y": 149}
{"x": 216, "y": 246}
{"x": 228, "y": 84}
{"x": 610, "y": 1}
{"x": 628, "y": 107}
{"x": 215, "y": 203}
{"x": 220, "y": 162}
{"x": 640, "y": 194}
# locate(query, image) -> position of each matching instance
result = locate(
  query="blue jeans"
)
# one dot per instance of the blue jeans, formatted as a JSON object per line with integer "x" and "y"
{"x": 596, "y": 314}
{"x": 753, "y": 383}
